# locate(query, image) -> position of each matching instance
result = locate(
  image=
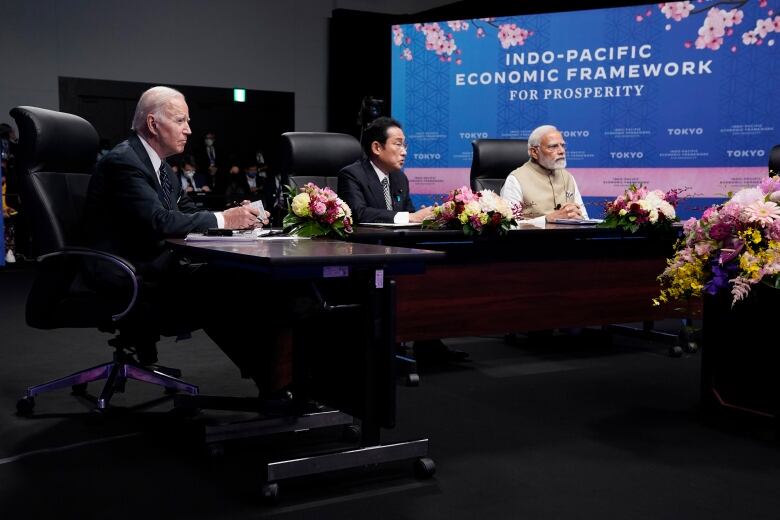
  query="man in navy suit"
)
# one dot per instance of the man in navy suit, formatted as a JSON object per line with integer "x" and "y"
{"x": 376, "y": 190}
{"x": 135, "y": 202}
{"x": 374, "y": 187}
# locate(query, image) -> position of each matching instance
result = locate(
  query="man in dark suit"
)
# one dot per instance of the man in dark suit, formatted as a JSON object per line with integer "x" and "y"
{"x": 376, "y": 190}
{"x": 374, "y": 187}
{"x": 134, "y": 203}
{"x": 212, "y": 163}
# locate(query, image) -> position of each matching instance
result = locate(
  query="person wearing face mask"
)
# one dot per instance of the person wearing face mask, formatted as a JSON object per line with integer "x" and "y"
{"x": 191, "y": 179}
{"x": 546, "y": 190}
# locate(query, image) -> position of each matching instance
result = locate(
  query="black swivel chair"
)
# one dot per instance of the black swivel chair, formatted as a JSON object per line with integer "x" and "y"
{"x": 494, "y": 159}
{"x": 774, "y": 160}
{"x": 317, "y": 157}
{"x": 57, "y": 152}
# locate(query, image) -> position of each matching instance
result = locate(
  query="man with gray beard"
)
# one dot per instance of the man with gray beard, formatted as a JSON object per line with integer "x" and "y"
{"x": 546, "y": 190}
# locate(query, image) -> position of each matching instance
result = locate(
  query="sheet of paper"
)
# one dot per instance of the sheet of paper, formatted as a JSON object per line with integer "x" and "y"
{"x": 390, "y": 224}
{"x": 577, "y": 221}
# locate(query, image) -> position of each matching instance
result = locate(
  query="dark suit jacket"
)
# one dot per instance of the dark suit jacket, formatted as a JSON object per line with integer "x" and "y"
{"x": 125, "y": 214}
{"x": 360, "y": 188}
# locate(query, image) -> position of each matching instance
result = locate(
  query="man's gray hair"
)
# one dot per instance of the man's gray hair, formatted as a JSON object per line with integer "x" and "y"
{"x": 153, "y": 101}
{"x": 535, "y": 139}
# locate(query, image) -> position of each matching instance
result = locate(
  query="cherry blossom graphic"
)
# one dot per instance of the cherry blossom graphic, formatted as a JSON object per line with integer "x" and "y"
{"x": 720, "y": 19}
{"x": 440, "y": 38}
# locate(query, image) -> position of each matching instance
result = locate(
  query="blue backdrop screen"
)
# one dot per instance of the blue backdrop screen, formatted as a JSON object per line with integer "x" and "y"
{"x": 670, "y": 95}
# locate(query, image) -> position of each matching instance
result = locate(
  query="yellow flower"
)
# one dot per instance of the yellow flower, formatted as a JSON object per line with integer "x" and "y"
{"x": 483, "y": 218}
{"x": 300, "y": 205}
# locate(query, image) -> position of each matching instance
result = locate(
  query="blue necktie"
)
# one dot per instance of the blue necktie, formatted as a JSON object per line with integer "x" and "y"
{"x": 167, "y": 189}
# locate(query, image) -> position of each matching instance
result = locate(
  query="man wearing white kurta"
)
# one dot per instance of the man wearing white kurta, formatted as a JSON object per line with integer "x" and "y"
{"x": 546, "y": 190}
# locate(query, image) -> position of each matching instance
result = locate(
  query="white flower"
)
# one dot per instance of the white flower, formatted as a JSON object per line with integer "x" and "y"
{"x": 667, "y": 209}
{"x": 746, "y": 196}
{"x": 300, "y": 205}
{"x": 490, "y": 201}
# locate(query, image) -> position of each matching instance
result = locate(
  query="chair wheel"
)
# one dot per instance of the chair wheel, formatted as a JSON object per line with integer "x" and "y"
{"x": 270, "y": 492}
{"x": 79, "y": 389}
{"x": 424, "y": 467}
{"x": 691, "y": 347}
{"x": 412, "y": 379}
{"x": 25, "y": 406}
{"x": 352, "y": 433}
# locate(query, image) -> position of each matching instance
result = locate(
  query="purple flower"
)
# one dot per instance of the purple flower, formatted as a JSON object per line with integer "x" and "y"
{"x": 720, "y": 277}
{"x": 720, "y": 231}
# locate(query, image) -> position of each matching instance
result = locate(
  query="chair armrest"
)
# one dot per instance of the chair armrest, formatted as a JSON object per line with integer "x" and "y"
{"x": 125, "y": 266}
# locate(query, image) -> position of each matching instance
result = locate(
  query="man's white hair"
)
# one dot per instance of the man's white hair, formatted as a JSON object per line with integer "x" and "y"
{"x": 153, "y": 101}
{"x": 535, "y": 139}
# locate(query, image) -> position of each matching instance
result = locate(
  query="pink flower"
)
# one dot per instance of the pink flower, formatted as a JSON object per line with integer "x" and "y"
{"x": 770, "y": 184}
{"x": 773, "y": 230}
{"x": 318, "y": 208}
{"x": 762, "y": 212}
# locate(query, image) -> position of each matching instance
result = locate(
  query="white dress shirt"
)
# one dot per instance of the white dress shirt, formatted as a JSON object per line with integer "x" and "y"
{"x": 401, "y": 217}
{"x": 157, "y": 161}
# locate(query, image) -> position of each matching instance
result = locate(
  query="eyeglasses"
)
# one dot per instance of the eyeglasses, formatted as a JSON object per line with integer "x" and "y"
{"x": 400, "y": 144}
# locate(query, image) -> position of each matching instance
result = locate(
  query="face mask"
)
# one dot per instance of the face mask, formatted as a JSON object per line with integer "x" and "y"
{"x": 251, "y": 175}
{"x": 209, "y": 142}
{"x": 189, "y": 173}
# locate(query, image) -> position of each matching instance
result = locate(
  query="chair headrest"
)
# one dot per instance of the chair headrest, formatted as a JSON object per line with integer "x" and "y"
{"x": 496, "y": 158}
{"x": 317, "y": 153}
{"x": 54, "y": 141}
{"x": 774, "y": 159}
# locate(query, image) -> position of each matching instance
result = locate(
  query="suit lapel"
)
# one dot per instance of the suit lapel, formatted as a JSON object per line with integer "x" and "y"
{"x": 396, "y": 191}
{"x": 151, "y": 174}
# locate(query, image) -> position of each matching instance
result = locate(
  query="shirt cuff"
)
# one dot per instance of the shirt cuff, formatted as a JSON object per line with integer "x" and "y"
{"x": 220, "y": 219}
{"x": 402, "y": 217}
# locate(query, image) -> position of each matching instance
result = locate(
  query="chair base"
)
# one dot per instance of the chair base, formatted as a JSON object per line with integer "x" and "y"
{"x": 116, "y": 373}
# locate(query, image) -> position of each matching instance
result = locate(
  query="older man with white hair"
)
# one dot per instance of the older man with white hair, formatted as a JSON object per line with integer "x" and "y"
{"x": 134, "y": 203}
{"x": 546, "y": 190}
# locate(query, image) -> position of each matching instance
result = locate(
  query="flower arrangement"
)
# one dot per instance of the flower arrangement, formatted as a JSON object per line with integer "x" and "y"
{"x": 640, "y": 208}
{"x": 313, "y": 211}
{"x": 735, "y": 244}
{"x": 473, "y": 212}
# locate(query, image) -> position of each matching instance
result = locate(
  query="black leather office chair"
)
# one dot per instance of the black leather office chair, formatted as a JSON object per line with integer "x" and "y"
{"x": 317, "y": 157}
{"x": 494, "y": 159}
{"x": 57, "y": 152}
{"x": 774, "y": 160}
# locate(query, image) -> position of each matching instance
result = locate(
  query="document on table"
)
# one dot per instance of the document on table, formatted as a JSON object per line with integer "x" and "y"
{"x": 391, "y": 224}
{"x": 577, "y": 221}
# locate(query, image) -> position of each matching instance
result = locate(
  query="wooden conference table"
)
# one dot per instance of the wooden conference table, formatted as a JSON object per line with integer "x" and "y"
{"x": 351, "y": 360}
{"x": 530, "y": 279}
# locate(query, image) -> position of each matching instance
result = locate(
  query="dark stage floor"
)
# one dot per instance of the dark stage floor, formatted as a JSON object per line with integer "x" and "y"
{"x": 574, "y": 426}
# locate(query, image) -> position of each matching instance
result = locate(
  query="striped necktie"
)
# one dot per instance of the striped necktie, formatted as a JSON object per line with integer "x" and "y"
{"x": 165, "y": 183}
{"x": 386, "y": 189}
